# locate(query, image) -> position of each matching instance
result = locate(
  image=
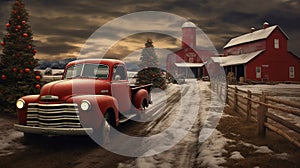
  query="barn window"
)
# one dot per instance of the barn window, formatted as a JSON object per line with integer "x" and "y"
{"x": 292, "y": 72}
{"x": 276, "y": 43}
{"x": 258, "y": 72}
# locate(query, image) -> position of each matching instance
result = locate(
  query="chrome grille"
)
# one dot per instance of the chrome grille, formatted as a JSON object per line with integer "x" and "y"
{"x": 53, "y": 115}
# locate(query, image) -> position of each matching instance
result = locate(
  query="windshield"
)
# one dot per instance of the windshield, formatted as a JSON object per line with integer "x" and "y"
{"x": 88, "y": 71}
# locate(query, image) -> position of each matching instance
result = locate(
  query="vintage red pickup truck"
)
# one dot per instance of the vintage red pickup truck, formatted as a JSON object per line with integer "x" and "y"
{"x": 90, "y": 91}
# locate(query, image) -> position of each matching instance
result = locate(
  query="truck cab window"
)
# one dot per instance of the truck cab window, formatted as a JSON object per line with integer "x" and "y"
{"x": 119, "y": 73}
{"x": 88, "y": 71}
{"x": 73, "y": 71}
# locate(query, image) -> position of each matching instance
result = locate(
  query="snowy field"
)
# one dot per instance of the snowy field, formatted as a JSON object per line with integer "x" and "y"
{"x": 287, "y": 92}
{"x": 283, "y": 91}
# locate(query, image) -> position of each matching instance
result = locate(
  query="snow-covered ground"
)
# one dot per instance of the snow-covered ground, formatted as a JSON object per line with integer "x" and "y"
{"x": 203, "y": 146}
{"x": 192, "y": 148}
{"x": 280, "y": 90}
{"x": 190, "y": 138}
{"x": 8, "y": 139}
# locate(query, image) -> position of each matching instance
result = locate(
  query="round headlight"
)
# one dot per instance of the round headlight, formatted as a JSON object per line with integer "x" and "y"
{"x": 85, "y": 105}
{"x": 20, "y": 104}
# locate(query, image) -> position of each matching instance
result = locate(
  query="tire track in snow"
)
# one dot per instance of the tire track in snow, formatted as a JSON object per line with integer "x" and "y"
{"x": 163, "y": 117}
{"x": 183, "y": 154}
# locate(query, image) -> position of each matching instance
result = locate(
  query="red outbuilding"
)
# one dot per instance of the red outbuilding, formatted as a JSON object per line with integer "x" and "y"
{"x": 189, "y": 61}
{"x": 260, "y": 55}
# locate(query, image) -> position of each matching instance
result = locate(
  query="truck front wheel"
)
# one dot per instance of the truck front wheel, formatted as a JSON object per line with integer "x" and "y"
{"x": 103, "y": 133}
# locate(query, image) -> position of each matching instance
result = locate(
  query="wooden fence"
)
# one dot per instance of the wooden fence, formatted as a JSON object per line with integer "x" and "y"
{"x": 269, "y": 112}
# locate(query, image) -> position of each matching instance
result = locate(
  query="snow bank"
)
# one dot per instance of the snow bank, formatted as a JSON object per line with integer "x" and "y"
{"x": 258, "y": 149}
{"x": 236, "y": 155}
{"x": 211, "y": 151}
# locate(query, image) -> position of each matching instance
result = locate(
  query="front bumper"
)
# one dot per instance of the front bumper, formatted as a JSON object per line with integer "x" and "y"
{"x": 53, "y": 131}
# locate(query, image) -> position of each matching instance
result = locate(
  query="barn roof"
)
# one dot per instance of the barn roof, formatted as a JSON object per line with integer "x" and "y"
{"x": 189, "y": 65}
{"x": 236, "y": 59}
{"x": 254, "y": 36}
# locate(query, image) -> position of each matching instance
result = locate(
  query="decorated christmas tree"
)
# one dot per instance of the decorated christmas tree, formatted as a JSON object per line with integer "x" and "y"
{"x": 150, "y": 72}
{"x": 17, "y": 64}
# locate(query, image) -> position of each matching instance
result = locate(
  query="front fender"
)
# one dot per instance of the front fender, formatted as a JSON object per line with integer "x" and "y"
{"x": 22, "y": 113}
{"x": 99, "y": 105}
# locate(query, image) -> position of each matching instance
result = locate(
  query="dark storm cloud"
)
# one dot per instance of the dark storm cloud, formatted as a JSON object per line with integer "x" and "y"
{"x": 62, "y": 26}
{"x": 55, "y": 50}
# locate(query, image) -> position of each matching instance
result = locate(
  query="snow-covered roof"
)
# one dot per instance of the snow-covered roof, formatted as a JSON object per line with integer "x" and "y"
{"x": 188, "y": 24}
{"x": 236, "y": 59}
{"x": 249, "y": 37}
{"x": 189, "y": 65}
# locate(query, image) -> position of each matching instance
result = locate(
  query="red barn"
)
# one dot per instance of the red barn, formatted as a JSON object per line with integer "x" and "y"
{"x": 260, "y": 55}
{"x": 188, "y": 61}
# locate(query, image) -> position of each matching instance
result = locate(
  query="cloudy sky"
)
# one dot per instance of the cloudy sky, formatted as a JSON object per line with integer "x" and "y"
{"x": 63, "y": 27}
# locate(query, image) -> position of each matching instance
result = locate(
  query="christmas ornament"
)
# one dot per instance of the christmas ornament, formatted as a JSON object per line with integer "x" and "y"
{"x": 15, "y": 69}
{"x": 21, "y": 71}
{"x": 37, "y": 86}
{"x": 27, "y": 70}
{"x": 34, "y": 51}
{"x": 3, "y": 77}
{"x": 19, "y": 17}
{"x": 25, "y": 35}
{"x": 19, "y": 27}
{"x": 23, "y": 22}
{"x": 38, "y": 77}
{"x": 29, "y": 47}
{"x": 15, "y": 12}
{"x": 7, "y": 25}
{"x": 2, "y": 43}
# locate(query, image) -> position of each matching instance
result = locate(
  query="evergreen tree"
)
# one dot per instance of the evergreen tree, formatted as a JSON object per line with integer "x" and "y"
{"x": 17, "y": 64}
{"x": 149, "y": 57}
{"x": 150, "y": 71}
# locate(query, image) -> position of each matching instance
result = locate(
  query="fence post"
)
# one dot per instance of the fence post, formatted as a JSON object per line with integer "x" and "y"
{"x": 227, "y": 101}
{"x": 235, "y": 98}
{"x": 249, "y": 95}
{"x": 261, "y": 116}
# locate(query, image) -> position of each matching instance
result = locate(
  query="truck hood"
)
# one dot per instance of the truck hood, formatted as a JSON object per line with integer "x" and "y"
{"x": 64, "y": 89}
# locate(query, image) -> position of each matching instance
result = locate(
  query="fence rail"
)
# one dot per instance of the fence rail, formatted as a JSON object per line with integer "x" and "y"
{"x": 264, "y": 109}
